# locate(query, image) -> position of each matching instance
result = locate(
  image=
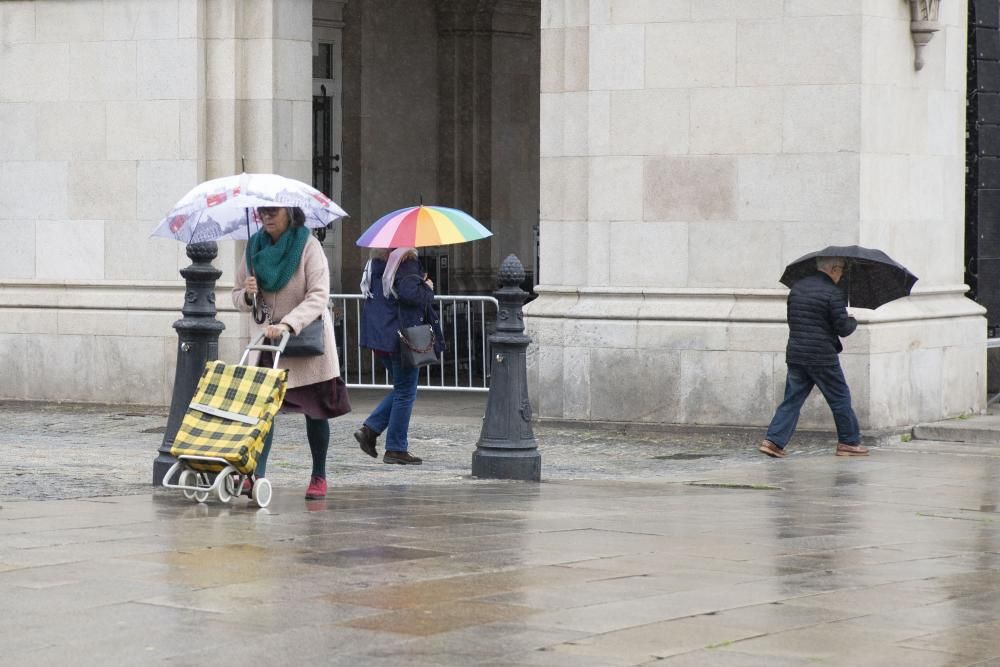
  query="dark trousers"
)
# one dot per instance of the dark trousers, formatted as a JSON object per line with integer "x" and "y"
{"x": 798, "y": 384}
{"x": 318, "y": 434}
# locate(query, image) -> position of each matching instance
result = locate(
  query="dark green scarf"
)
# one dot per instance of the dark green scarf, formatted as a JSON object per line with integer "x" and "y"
{"x": 275, "y": 263}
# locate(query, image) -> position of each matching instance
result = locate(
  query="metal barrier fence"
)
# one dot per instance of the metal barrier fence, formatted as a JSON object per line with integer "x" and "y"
{"x": 465, "y": 321}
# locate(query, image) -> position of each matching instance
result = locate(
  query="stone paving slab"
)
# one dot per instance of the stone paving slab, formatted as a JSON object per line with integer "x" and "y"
{"x": 894, "y": 560}
{"x": 636, "y": 549}
{"x": 83, "y": 451}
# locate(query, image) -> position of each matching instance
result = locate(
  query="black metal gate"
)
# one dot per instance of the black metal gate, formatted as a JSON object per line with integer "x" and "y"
{"x": 982, "y": 190}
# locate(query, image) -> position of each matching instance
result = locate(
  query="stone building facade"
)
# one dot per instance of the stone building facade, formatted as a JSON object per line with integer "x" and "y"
{"x": 690, "y": 150}
{"x": 111, "y": 110}
{"x": 671, "y": 156}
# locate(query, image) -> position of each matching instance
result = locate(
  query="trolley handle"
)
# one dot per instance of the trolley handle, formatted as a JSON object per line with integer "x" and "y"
{"x": 260, "y": 347}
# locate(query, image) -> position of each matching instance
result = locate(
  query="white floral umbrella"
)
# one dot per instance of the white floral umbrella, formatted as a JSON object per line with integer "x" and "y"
{"x": 225, "y": 208}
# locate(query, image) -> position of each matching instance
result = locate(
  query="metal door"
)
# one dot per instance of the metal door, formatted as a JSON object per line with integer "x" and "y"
{"x": 327, "y": 128}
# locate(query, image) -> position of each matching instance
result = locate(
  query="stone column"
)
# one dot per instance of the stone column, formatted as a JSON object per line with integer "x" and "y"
{"x": 465, "y": 69}
{"x": 487, "y": 162}
{"x": 692, "y": 149}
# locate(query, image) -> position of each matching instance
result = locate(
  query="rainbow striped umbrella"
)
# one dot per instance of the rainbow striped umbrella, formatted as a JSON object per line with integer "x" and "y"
{"x": 419, "y": 226}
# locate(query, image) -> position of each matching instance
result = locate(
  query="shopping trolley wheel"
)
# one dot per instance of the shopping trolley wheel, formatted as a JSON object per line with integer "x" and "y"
{"x": 261, "y": 492}
{"x": 225, "y": 484}
{"x": 223, "y": 492}
{"x": 188, "y": 478}
{"x": 229, "y": 487}
{"x": 202, "y": 496}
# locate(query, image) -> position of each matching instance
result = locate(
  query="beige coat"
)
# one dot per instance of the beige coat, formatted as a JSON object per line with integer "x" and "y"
{"x": 298, "y": 303}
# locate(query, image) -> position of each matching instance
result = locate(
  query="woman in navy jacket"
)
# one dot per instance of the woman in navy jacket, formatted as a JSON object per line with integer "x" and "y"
{"x": 398, "y": 295}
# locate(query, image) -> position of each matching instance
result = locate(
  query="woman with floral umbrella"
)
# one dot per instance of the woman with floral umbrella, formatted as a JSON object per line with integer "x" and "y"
{"x": 291, "y": 277}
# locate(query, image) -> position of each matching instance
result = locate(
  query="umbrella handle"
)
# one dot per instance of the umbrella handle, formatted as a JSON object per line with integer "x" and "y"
{"x": 258, "y": 310}
{"x": 246, "y": 213}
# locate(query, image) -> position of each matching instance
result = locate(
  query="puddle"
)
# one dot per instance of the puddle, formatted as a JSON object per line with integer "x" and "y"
{"x": 682, "y": 457}
{"x": 733, "y": 485}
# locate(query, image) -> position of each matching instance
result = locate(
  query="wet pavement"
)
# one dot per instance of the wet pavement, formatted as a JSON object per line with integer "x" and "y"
{"x": 636, "y": 549}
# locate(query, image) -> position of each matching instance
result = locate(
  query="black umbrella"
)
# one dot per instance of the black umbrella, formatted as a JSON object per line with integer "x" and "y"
{"x": 871, "y": 277}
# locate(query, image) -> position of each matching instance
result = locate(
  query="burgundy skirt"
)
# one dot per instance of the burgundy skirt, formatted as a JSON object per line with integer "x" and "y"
{"x": 320, "y": 400}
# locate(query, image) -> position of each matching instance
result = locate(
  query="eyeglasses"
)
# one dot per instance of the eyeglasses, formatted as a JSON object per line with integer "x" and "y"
{"x": 268, "y": 211}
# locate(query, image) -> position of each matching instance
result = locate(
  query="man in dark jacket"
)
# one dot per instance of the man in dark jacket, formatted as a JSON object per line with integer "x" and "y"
{"x": 817, "y": 320}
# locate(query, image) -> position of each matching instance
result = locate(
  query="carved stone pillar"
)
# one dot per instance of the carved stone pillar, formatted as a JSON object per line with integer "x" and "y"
{"x": 465, "y": 64}
{"x": 488, "y": 128}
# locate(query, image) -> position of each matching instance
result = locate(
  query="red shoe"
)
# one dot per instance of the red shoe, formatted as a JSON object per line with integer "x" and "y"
{"x": 317, "y": 488}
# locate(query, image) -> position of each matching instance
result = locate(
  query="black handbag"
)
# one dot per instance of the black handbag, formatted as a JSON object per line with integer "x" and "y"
{"x": 310, "y": 342}
{"x": 416, "y": 345}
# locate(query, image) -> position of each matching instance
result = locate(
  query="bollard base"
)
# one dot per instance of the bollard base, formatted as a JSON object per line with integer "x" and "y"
{"x": 507, "y": 464}
{"x": 161, "y": 464}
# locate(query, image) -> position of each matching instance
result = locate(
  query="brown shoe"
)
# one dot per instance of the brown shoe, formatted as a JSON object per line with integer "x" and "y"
{"x": 772, "y": 449}
{"x": 402, "y": 458}
{"x": 851, "y": 450}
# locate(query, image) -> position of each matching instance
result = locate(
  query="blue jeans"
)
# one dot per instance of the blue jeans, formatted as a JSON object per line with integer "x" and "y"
{"x": 798, "y": 384}
{"x": 392, "y": 415}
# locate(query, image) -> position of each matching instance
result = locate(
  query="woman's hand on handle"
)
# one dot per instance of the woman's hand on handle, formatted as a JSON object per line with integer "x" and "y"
{"x": 274, "y": 331}
{"x": 250, "y": 285}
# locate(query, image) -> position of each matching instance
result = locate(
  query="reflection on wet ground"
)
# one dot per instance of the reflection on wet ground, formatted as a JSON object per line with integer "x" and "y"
{"x": 894, "y": 560}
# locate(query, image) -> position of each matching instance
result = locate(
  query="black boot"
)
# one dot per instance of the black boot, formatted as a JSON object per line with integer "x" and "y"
{"x": 367, "y": 439}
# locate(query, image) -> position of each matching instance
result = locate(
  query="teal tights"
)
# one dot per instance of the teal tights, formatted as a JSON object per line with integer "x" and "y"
{"x": 318, "y": 432}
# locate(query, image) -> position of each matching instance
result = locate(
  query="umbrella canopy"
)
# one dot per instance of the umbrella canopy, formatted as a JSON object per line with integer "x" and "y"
{"x": 220, "y": 208}
{"x": 419, "y": 226}
{"x": 871, "y": 277}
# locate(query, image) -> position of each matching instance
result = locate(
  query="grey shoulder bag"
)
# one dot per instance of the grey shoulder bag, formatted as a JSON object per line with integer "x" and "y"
{"x": 416, "y": 343}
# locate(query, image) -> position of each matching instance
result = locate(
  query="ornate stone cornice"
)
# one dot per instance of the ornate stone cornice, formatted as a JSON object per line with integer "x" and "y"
{"x": 329, "y": 14}
{"x": 508, "y": 17}
{"x": 519, "y": 7}
{"x": 730, "y": 304}
{"x": 923, "y": 24}
{"x": 466, "y": 7}
{"x": 329, "y": 23}
{"x": 106, "y": 295}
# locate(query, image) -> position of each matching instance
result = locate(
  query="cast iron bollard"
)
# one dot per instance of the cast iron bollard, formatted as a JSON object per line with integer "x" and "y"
{"x": 198, "y": 334}
{"x": 507, "y": 447}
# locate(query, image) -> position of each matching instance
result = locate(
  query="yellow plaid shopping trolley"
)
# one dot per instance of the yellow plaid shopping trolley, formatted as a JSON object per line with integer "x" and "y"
{"x": 224, "y": 429}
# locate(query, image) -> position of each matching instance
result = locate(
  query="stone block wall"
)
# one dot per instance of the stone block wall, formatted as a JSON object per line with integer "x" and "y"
{"x": 693, "y": 148}
{"x": 110, "y": 112}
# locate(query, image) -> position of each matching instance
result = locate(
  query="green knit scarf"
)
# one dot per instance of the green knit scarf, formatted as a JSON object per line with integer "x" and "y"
{"x": 275, "y": 263}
